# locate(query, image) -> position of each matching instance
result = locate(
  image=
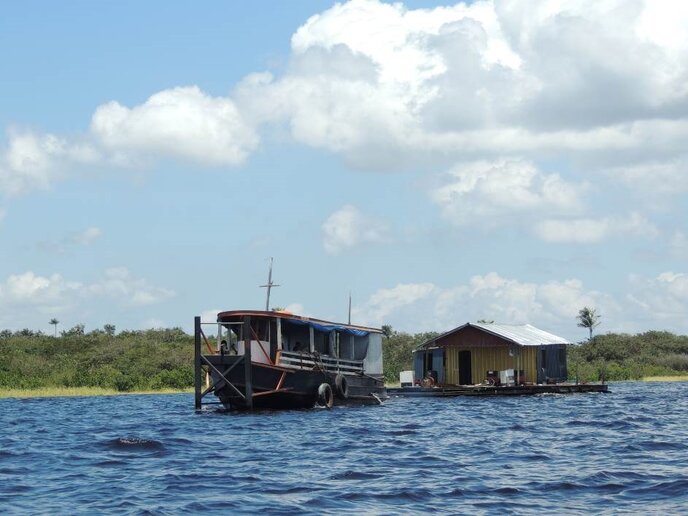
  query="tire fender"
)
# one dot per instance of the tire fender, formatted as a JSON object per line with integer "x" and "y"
{"x": 325, "y": 396}
{"x": 341, "y": 386}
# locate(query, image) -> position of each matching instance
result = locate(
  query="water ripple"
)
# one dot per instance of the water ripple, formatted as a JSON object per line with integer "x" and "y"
{"x": 578, "y": 454}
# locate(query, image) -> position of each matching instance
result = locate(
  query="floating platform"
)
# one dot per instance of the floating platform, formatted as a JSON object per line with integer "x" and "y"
{"x": 492, "y": 390}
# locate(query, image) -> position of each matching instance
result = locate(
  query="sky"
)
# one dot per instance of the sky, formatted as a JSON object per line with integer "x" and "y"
{"x": 443, "y": 163}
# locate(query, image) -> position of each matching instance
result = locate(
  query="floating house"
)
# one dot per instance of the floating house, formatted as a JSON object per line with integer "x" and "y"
{"x": 475, "y": 353}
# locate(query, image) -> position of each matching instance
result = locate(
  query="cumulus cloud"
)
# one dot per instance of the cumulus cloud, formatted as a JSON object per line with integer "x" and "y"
{"x": 587, "y": 231}
{"x": 181, "y": 122}
{"x": 29, "y": 288}
{"x": 54, "y": 294}
{"x": 379, "y": 84}
{"x": 32, "y": 161}
{"x": 348, "y": 227}
{"x": 660, "y": 178}
{"x": 663, "y": 299}
{"x": 491, "y": 191}
{"x": 119, "y": 284}
{"x": 388, "y": 300}
{"x": 426, "y": 306}
{"x": 368, "y": 79}
{"x": 84, "y": 237}
{"x": 601, "y": 84}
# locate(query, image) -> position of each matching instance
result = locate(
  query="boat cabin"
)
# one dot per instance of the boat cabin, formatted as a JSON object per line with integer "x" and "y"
{"x": 284, "y": 339}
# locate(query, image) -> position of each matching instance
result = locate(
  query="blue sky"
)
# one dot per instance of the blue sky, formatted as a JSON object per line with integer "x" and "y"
{"x": 443, "y": 162}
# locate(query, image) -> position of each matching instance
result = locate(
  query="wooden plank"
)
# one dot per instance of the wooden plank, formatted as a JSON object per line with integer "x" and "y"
{"x": 265, "y": 393}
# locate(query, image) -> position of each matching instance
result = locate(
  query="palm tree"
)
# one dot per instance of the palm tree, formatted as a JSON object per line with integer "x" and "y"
{"x": 54, "y": 322}
{"x": 588, "y": 318}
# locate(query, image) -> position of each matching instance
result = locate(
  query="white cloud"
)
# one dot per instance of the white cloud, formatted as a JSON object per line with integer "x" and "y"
{"x": 348, "y": 227}
{"x": 425, "y": 306}
{"x": 181, "y": 122}
{"x": 586, "y": 231}
{"x": 679, "y": 245}
{"x": 210, "y": 316}
{"x": 381, "y": 83}
{"x": 297, "y": 308}
{"x": 33, "y": 161}
{"x": 29, "y": 288}
{"x": 384, "y": 85}
{"x": 488, "y": 192}
{"x": 119, "y": 284}
{"x": 663, "y": 299}
{"x": 388, "y": 300}
{"x": 27, "y": 162}
{"x": 28, "y": 298}
{"x": 660, "y": 178}
{"x": 87, "y": 236}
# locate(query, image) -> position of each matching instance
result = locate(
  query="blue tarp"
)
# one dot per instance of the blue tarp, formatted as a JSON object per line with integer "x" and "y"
{"x": 327, "y": 327}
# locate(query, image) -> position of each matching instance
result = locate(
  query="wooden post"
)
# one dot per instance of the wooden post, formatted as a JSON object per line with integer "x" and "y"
{"x": 248, "y": 391}
{"x": 197, "y": 363}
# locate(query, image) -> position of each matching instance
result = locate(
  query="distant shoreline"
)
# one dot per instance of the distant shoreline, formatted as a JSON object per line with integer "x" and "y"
{"x": 64, "y": 392}
{"x": 682, "y": 378}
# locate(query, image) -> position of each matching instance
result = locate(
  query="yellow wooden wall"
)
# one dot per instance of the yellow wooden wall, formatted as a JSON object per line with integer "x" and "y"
{"x": 496, "y": 358}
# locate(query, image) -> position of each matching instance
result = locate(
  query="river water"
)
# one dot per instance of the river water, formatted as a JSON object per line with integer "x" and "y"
{"x": 626, "y": 451}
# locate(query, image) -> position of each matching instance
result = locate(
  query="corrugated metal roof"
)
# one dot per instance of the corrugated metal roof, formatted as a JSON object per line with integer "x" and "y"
{"x": 523, "y": 334}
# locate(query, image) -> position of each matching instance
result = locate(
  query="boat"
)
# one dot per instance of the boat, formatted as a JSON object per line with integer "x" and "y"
{"x": 279, "y": 360}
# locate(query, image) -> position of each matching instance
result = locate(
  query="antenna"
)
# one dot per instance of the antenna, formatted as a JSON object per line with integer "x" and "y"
{"x": 269, "y": 286}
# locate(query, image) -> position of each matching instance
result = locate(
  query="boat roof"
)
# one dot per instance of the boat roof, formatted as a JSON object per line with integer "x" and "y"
{"x": 297, "y": 319}
{"x": 521, "y": 334}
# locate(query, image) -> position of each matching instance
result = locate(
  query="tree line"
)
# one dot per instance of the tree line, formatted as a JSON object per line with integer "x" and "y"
{"x": 163, "y": 358}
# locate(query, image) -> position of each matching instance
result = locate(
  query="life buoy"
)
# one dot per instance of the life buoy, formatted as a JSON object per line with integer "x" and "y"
{"x": 325, "y": 396}
{"x": 341, "y": 386}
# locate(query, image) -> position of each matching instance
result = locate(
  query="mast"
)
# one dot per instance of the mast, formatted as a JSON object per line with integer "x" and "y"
{"x": 269, "y": 286}
{"x": 349, "y": 307}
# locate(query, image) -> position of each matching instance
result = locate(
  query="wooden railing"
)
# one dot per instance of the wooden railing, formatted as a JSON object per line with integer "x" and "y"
{"x": 329, "y": 364}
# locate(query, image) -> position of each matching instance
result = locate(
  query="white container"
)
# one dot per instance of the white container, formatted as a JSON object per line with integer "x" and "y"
{"x": 406, "y": 378}
{"x": 506, "y": 377}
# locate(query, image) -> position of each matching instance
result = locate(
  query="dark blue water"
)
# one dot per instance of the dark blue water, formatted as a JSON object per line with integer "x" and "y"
{"x": 624, "y": 451}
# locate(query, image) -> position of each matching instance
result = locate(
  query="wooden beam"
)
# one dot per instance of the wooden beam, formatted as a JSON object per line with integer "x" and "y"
{"x": 197, "y": 363}
{"x": 222, "y": 376}
{"x": 248, "y": 393}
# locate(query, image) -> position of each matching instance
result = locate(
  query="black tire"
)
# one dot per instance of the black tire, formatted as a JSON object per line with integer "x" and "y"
{"x": 341, "y": 386}
{"x": 325, "y": 396}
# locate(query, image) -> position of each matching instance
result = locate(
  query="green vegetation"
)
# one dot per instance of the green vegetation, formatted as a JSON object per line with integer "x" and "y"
{"x": 102, "y": 362}
{"x": 588, "y": 318}
{"x": 397, "y": 349}
{"x": 131, "y": 361}
{"x": 629, "y": 357}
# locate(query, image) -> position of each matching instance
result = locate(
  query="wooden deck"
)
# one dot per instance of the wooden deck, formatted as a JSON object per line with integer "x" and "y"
{"x": 491, "y": 390}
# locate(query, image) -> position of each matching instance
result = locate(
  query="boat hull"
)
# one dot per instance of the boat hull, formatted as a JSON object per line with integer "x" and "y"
{"x": 276, "y": 387}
